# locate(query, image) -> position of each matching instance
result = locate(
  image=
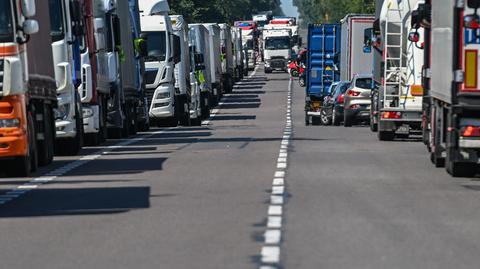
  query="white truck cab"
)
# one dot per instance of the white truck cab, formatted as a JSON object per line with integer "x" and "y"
{"x": 277, "y": 49}
{"x": 160, "y": 62}
{"x": 65, "y": 30}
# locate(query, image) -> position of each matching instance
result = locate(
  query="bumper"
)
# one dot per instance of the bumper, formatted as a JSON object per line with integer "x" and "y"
{"x": 66, "y": 127}
{"x": 361, "y": 113}
{"x": 276, "y": 64}
{"x": 13, "y": 142}
{"x": 91, "y": 119}
{"x": 316, "y": 113}
{"x": 163, "y": 107}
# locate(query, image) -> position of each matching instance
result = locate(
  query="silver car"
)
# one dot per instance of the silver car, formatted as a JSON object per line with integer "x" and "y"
{"x": 357, "y": 100}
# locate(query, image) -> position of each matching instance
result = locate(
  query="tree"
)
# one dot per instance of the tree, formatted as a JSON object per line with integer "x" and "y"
{"x": 330, "y": 11}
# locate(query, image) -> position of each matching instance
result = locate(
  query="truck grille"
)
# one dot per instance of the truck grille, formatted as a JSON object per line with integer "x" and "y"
{"x": 150, "y": 76}
{"x": 1, "y": 76}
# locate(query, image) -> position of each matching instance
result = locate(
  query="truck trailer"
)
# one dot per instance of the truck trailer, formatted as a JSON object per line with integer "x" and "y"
{"x": 453, "y": 93}
{"x": 28, "y": 93}
{"x": 322, "y": 67}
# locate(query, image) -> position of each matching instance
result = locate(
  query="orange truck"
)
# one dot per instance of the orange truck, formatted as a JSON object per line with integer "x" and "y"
{"x": 27, "y": 87}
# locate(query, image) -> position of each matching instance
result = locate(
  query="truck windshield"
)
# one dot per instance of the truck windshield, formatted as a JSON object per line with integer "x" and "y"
{"x": 277, "y": 43}
{"x": 262, "y": 23}
{"x": 6, "y": 24}
{"x": 157, "y": 45}
{"x": 363, "y": 83}
{"x": 56, "y": 20}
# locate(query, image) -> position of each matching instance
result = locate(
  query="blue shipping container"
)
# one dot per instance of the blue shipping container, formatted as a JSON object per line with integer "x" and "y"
{"x": 323, "y": 61}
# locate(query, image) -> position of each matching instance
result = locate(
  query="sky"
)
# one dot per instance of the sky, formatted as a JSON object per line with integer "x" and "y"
{"x": 289, "y": 9}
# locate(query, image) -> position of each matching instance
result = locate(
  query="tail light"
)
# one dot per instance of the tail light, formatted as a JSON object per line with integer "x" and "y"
{"x": 352, "y": 93}
{"x": 341, "y": 98}
{"x": 391, "y": 115}
{"x": 471, "y": 131}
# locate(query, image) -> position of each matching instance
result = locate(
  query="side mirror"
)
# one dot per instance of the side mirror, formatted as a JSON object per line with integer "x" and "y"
{"x": 99, "y": 33}
{"x": 367, "y": 40}
{"x": 414, "y": 37}
{"x": 176, "y": 49}
{"x": 28, "y": 8}
{"x": 30, "y": 27}
{"x": 475, "y": 4}
{"x": 199, "y": 58}
{"x": 142, "y": 48}
{"x": 471, "y": 21}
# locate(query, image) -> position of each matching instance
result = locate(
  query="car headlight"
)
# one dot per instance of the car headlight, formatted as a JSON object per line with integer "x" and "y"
{"x": 163, "y": 95}
{"x": 61, "y": 113}
{"x": 87, "y": 113}
{"x": 9, "y": 123}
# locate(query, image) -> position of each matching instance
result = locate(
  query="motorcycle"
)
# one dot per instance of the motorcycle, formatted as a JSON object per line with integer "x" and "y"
{"x": 295, "y": 69}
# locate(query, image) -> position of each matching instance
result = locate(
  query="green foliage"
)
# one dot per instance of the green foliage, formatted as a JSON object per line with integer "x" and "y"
{"x": 329, "y": 11}
{"x": 222, "y": 10}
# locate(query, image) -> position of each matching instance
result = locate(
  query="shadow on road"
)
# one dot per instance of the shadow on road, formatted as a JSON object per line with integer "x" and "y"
{"x": 81, "y": 201}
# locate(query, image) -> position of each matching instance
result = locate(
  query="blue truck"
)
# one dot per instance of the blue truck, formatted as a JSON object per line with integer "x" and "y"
{"x": 322, "y": 67}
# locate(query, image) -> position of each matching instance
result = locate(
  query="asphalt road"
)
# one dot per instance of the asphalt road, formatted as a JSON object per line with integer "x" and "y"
{"x": 206, "y": 197}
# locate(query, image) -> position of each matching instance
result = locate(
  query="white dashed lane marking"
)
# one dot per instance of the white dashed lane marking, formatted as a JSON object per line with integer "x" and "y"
{"x": 270, "y": 252}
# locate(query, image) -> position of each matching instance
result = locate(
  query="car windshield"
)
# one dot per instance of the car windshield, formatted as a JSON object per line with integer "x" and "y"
{"x": 343, "y": 87}
{"x": 277, "y": 43}
{"x": 6, "y": 24}
{"x": 56, "y": 20}
{"x": 157, "y": 45}
{"x": 364, "y": 83}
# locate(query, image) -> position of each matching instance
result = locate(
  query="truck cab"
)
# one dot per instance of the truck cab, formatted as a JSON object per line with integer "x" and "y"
{"x": 277, "y": 49}
{"x": 200, "y": 50}
{"x": 66, "y": 32}
{"x": 160, "y": 62}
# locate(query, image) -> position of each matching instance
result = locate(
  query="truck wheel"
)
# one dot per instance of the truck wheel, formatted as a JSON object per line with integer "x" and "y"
{"x": 185, "y": 116}
{"x": 268, "y": 70}
{"x": 386, "y": 136}
{"x": 133, "y": 120}
{"x": 24, "y": 165}
{"x": 307, "y": 119}
{"x": 45, "y": 147}
{"x": 127, "y": 121}
{"x": 196, "y": 122}
{"x": 92, "y": 139}
{"x": 459, "y": 169}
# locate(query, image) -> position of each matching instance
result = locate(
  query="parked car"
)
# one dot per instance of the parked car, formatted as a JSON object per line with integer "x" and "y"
{"x": 332, "y": 109}
{"x": 357, "y": 100}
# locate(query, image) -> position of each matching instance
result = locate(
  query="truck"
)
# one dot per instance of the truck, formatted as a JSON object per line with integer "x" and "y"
{"x": 166, "y": 105}
{"x": 277, "y": 49}
{"x": 66, "y": 33}
{"x": 182, "y": 72}
{"x": 287, "y": 24}
{"x": 250, "y": 42}
{"x": 322, "y": 67}
{"x": 262, "y": 19}
{"x": 452, "y": 76}
{"x": 200, "y": 47}
{"x": 238, "y": 54}
{"x": 226, "y": 46}
{"x": 396, "y": 110}
{"x": 355, "y": 59}
{"x": 28, "y": 93}
{"x": 93, "y": 105}
{"x": 215, "y": 62}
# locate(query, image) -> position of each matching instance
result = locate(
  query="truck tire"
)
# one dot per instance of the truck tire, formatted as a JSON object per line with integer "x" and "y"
{"x": 437, "y": 160}
{"x": 307, "y": 119}
{"x": 459, "y": 169}
{"x": 127, "y": 121}
{"x": 133, "y": 120}
{"x": 316, "y": 120}
{"x": 386, "y": 135}
{"x": 45, "y": 146}
{"x": 185, "y": 113}
{"x": 268, "y": 70}
{"x": 92, "y": 139}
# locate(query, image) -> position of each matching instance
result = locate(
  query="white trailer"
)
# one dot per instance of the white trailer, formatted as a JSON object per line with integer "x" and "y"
{"x": 215, "y": 61}
{"x": 354, "y": 59}
{"x": 399, "y": 102}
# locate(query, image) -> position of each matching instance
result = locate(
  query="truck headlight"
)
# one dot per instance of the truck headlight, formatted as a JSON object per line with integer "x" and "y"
{"x": 61, "y": 113}
{"x": 163, "y": 95}
{"x": 9, "y": 123}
